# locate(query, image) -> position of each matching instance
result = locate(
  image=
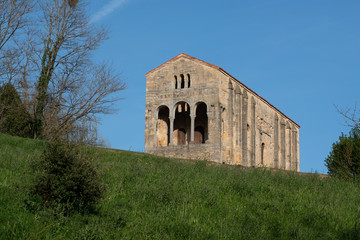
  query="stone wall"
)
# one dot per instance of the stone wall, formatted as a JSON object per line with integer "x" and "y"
{"x": 237, "y": 126}
{"x": 209, "y": 152}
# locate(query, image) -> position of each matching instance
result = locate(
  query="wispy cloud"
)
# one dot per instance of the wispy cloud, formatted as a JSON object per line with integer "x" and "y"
{"x": 107, "y": 9}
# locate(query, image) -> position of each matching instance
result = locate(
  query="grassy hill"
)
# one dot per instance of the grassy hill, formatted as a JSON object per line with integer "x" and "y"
{"x": 152, "y": 197}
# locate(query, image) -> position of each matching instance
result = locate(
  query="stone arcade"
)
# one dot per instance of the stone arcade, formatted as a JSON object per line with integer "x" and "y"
{"x": 197, "y": 110}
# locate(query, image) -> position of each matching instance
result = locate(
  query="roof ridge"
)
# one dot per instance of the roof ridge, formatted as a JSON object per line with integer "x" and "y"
{"x": 182, "y": 55}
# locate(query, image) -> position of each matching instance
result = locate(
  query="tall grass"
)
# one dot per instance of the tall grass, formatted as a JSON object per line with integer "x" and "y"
{"x": 151, "y": 197}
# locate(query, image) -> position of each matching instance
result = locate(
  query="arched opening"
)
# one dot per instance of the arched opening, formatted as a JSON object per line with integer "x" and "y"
{"x": 182, "y": 124}
{"x": 262, "y": 153}
{"x": 181, "y": 137}
{"x": 199, "y": 135}
{"x": 188, "y": 80}
{"x": 162, "y": 127}
{"x": 182, "y": 81}
{"x": 176, "y": 82}
{"x": 201, "y": 124}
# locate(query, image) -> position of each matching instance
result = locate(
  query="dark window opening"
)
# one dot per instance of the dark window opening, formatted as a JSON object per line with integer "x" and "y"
{"x": 176, "y": 84}
{"x": 188, "y": 80}
{"x": 201, "y": 124}
{"x": 162, "y": 127}
{"x": 199, "y": 135}
{"x": 182, "y": 81}
{"x": 182, "y": 124}
{"x": 181, "y": 136}
{"x": 262, "y": 153}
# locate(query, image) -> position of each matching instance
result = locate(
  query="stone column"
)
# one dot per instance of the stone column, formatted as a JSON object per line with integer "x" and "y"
{"x": 221, "y": 130}
{"x": 295, "y": 157}
{"x": 290, "y": 149}
{"x": 171, "y": 130}
{"x": 210, "y": 118}
{"x": 253, "y": 132}
{"x": 283, "y": 157}
{"x": 276, "y": 142}
{"x": 239, "y": 122}
{"x": 244, "y": 128}
{"x": 260, "y": 148}
{"x": 237, "y": 142}
{"x": 230, "y": 121}
{"x": 192, "y": 128}
{"x": 293, "y": 154}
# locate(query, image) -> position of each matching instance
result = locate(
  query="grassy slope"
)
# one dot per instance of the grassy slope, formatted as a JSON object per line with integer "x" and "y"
{"x": 157, "y": 198}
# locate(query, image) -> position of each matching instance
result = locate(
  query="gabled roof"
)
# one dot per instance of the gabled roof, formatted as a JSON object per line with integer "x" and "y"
{"x": 183, "y": 55}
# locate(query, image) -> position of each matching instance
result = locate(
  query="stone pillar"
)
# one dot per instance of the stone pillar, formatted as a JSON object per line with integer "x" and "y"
{"x": 244, "y": 128}
{"x": 171, "y": 130}
{"x": 290, "y": 149}
{"x": 221, "y": 109}
{"x": 283, "y": 157}
{"x": 276, "y": 142}
{"x": 295, "y": 157}
{"x": 230, "y": 121}
{"x": 253, "y": 131}
{"x": 210, "y": 118}
{"x": 237, "y": 145}
{"x": 239, "y": 119}
{"x": 260, "y": 148}
{"x": 192, "y": 128}
{"x": 236, "y": 114}
{"x": 293, "y": 154}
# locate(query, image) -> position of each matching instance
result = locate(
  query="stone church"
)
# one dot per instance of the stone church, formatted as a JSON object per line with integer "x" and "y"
{"x": 196, "y": 110}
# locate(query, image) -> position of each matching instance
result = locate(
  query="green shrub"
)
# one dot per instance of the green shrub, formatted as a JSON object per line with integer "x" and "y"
{"x": 14, "y": 118}
{"x": 66, "y": 179}
{"x": 344, "y": 159}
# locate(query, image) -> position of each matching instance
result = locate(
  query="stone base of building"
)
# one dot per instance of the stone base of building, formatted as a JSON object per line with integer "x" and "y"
{"x": 209, "y": 152}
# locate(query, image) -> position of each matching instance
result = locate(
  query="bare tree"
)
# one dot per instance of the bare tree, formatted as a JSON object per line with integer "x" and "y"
{"x": 13, "y": 20}
{"x": 52, "y": 67}
{"x": 13, "y": 17}
{"x": 71, "y": 87}
{"x": 351, "y": 115}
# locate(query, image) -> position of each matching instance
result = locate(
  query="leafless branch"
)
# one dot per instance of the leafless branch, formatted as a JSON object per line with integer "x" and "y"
{"x": 351, "y": 115}
{"x": 13, "y": 17}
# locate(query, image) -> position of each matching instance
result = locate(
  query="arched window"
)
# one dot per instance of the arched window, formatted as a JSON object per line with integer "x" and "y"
{"x": 188, "y": 75}
{"x": 199, "y": 135}
{"x": 162, "y": 127}
{"x": 201, "y": 124}
{"x": 176, "y": 83}
{"x": 181, "y": 137}
{"x": 182, "y": 81}
{"x": 182, "y": 124}
{"x": 262, "y": 153}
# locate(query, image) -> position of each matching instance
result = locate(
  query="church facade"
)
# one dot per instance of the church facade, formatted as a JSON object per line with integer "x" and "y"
{"x": 196, "y": 110}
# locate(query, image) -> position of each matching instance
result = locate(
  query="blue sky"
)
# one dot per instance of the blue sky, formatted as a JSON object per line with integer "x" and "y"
{"x": 302, "y": 56}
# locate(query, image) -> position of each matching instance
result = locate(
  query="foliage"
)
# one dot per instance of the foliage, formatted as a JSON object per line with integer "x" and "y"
{"x": 152, "y": 197}
{"x": 14, "y": 118}
{"x": 344, "y": 159}
{"x": 66, "y": 179}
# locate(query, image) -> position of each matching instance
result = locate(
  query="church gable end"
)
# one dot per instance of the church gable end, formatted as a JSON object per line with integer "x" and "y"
{"x": 197, "y": 110}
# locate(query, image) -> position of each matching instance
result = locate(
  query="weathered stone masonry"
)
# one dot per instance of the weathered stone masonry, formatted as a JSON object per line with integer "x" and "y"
{"x": 197, "y": 110}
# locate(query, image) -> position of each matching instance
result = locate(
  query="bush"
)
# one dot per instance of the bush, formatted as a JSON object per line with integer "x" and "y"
{"x": 14, "y": 118}
{"x": 66, "y": 179}
{"x": 344, "y": 159}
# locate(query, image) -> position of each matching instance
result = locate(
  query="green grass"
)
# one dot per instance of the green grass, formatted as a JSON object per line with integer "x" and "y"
{"x": 152, "y": 197}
